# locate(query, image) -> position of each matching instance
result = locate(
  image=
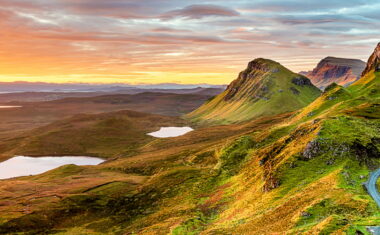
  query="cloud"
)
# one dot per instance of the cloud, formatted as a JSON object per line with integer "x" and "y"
{"x": 183, "y": 38}
{"x": 300, "y": 20}
{"x": 302, "y": 6}
{"x": 169, "y": 30}
{"x": 200, "y": 11}
{"x": 173, "y": 37}
{"x": 146, "y": 38}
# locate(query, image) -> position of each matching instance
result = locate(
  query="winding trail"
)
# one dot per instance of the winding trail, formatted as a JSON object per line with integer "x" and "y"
{"x": 372, "y": 190}
{"x": 371, "y": 186}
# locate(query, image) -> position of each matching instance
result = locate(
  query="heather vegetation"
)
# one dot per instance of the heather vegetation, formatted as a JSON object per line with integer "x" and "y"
{"x": 298, "y": 169}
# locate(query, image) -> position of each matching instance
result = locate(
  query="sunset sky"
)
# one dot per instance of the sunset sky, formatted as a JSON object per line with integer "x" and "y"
{"x": 177, "y": 41}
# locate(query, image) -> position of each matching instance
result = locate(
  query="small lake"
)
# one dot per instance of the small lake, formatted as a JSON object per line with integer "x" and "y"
{"x": 24, "y": 166}
{"x": 9, "y": 107}
{"x": 166, "y": 132}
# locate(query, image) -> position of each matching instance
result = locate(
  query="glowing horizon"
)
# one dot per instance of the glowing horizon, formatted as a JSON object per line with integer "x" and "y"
{"x": 157, "y": 41}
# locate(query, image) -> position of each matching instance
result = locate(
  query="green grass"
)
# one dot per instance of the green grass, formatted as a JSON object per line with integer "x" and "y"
{"x": 344, "y": 129}
{"x": 265, "y": 94}
{"x": 336, "y": 151}
{"x": 108, "y": 135}
{"x": 234, "y": 155}
{"x": 322, "y": 210}
{"x": 194, "y": 225}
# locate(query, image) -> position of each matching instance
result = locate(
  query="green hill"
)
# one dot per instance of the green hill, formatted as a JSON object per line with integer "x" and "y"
{"x": 265, "y": 88}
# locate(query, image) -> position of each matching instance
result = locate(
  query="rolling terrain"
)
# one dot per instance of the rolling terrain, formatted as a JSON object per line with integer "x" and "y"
{"x": 111, "y": 88}
{"x": 37, "y": 114}
{"x": 150, "y": 102}
{"x": 276, "y": 170}
{"x": 108, "y": 135}
{"x": 264, "y": 88}
{"x": 39, "y": 96}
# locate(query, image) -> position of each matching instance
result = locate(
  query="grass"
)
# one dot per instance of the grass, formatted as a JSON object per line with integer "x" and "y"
{"x": 204, "y": 196}
{"x": 295, "y": 174}
{"x": 117, "y": 134}
{"x": 275, "y": 87}
{"x": 14, "y": 122}
{"x": 233, "y": 156}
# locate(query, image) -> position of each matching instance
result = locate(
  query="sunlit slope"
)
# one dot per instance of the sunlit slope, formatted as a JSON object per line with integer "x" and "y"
{"x": 264, "y": 88}
{"x": 305, "y": 175}
{"x": 363, "y": 95}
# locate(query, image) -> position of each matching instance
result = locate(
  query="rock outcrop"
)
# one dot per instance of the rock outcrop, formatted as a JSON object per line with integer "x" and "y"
{"x": 373, "y": 61}
{"x": 248, "y": 81}
{"x": 339, "y": 70}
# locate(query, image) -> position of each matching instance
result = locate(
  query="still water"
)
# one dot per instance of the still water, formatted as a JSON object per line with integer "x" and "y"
{"x": 166, "y": 132}
{"x": 9, "y": 107}
{"x": 23, "y": 165}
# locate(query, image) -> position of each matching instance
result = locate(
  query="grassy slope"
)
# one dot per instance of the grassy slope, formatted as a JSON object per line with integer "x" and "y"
{"x": 321, "y": 195}
{"x": 162, "y": 170}
{"x": 244, "y": 107}
{"x": 236, "y": 179}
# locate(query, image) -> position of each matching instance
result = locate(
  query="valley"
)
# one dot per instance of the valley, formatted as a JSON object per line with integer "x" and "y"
{"x": 37, "y": 114}
{"x": 272, "y": 154}
{"x": 157, "y": 117}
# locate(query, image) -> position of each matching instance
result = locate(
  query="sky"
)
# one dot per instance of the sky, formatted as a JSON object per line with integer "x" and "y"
{"x": 176, "y": 41}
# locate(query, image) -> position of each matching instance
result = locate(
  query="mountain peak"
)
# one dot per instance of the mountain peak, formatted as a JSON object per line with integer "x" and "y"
{"x": 262, "y": 64}
{"x": 264, "y": 88}
{"x": 373, "y": 61}
{"x": 250, "y": 77}
{"x": 342, "y": 71}
{"x": 340, "y": 61}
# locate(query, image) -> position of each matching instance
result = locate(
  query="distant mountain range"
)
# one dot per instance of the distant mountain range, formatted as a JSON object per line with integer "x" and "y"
{"x": 9, "y": 87}
{"x": 342, "y": 71}
{"x": 36, "y": 92}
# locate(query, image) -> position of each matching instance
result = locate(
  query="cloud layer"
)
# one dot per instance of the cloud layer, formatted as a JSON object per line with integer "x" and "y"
{"x": 200, "y": 11}
{"x": 153, "y": 41}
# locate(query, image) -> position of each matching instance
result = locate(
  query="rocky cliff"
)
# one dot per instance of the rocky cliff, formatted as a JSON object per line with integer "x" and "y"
{"x": 373, "y": 61}
{"x": 339, "y": 70}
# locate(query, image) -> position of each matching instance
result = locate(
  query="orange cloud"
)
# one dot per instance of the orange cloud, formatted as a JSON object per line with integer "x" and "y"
{"x": 156, "y": 41}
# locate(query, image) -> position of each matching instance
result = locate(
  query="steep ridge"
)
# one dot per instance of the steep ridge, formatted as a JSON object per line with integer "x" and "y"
{"x": 264, "y": 88}
{"x": 339, "y": 70}
{"x": 369, "y": 83}
{"x": 373, "y": 62}
{"x": 306, "y": 175}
